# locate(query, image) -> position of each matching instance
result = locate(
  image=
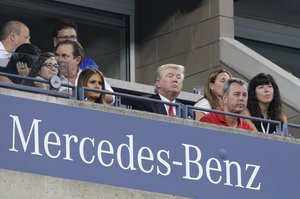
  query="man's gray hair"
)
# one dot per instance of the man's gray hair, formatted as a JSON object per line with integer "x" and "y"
{"x": 226, "y": 88}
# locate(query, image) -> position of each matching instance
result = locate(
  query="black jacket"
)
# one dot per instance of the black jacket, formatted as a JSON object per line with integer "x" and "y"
{"x": 155, "y": 107}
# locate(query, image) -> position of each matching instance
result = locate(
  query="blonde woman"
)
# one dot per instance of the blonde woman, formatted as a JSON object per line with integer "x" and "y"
{"x": 213, "y": 92}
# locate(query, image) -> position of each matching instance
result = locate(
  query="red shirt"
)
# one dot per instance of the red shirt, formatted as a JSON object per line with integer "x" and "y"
{"x": 219, "y": 119}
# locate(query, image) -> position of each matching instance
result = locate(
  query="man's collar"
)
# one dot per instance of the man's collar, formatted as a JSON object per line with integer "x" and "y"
{"x": 165, "y": 99}
{"x": 222, "y": 118}
{"x": 3, "y": 49}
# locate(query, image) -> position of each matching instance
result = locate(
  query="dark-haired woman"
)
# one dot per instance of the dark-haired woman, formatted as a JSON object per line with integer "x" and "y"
{"x": 44, "y": 68}
{"x": 264, "y": 101}
{"x": 92, "y": 78}
{"x": 21, "y": 62}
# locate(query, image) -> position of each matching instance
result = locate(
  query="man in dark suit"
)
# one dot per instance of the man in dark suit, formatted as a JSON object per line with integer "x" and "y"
{"x": 168, "y": 84}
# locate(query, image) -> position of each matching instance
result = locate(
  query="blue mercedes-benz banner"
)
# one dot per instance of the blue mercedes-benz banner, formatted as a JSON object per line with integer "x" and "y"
{"x": 157, "y": 156}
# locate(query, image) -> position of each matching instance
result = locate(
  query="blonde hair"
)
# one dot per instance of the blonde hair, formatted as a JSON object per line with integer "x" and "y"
{"x": 159, "y": 72}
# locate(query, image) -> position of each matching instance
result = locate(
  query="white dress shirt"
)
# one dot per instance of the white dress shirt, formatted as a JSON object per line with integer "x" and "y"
{"x": 167, "y": 106}
{"x": 4, "y": 56}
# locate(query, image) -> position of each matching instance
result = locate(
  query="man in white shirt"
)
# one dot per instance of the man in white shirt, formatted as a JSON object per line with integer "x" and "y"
{"x": 13, "y": 34}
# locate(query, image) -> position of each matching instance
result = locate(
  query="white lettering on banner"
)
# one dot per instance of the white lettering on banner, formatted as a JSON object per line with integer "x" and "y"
{"x": 129, "y": 147}
{"x": 68, "y": 145}
{"x": 34, "y": 126}
{"x": 253, "y": 176}
{"x": 130, "y": 157}
{"x": 81, "y": 150}
{"x": 210, "y": 168}
{"x": 47, "y": 143}
{"x": 164, "y": 162}
{"x": 100, "y": 151}
{"x": 228, "y": 173}
{"x": 140, "y": 158}
{"x": 188, "y": 162}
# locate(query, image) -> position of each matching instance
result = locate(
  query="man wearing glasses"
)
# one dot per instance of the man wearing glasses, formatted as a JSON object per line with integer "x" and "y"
{"x": 66, "y": 29}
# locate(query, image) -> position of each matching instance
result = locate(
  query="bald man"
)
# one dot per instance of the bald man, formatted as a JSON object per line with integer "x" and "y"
{"x": 13, "y": 34}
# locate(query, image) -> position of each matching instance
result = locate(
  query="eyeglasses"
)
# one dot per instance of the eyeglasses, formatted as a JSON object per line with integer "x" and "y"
{"x": 64, "y": 38}
{"x": 50, "y": 66}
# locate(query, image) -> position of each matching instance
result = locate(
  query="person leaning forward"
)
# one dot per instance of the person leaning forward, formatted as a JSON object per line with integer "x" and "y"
{"x": 12, "y": 35}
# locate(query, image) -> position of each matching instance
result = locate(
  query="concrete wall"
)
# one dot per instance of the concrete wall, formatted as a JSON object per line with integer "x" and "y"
{"x": 19, "y": 185}
{"x": 182, "y": 32}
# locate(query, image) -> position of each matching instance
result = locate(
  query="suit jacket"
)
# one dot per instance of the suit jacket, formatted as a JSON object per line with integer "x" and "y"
{"x": 155, "y": 107}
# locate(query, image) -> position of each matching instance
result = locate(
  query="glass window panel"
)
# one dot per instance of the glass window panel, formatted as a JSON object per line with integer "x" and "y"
{"x": 103, "y": 35}
{"x": 285, "y": 57}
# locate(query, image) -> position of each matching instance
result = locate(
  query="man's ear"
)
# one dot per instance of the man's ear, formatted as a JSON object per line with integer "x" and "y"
{"x": 12, "y": 36}
{"x": 78, "y": 59}
{"x": 157, "y": 84}
{"x": 225, "y": 99}
{"x": 55, "y": 41}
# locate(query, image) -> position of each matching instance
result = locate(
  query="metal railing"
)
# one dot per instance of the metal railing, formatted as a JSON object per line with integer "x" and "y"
{"x": 118, "y": 101}
{"x": 36, "y": 89}
{"x": 181, "y": 110}
{"x": 277, "y": 123}
{"x": 286, "y": 128}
